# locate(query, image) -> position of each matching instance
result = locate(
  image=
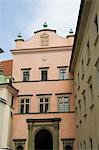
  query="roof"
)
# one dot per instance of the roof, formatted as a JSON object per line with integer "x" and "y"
{"x": 6, "y": 67}
{"x": 45, "y": 30}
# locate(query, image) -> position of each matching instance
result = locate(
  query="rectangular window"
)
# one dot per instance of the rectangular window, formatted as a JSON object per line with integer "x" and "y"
{"x": 88, "y": 50}
{"x": 91, "y": 92}
{"x": 44, "y": 104}
{"x": 63, "y": 103}
{"x": 97, "y": 72}
{"x": 96, "y": 23}
{"x": 82, "y": 69}
{"x": 24, "y": 105}
{"x": 78, "y": 81}
{"x": 91, "y": 144}
{"x": 25, "y": 75}
{"x": 84, "y": 101}
{"x": 84, "y": 145}
{"x": 90, "y": 88}
{"x": 62, "y": 73}
{"x": 88, "y": 53}
{"x": 44, "y": 75}
{"x": 97, "y": 66}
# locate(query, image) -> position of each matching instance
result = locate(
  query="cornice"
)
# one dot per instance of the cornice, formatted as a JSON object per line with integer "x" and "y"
{"x": 44, "y": 49}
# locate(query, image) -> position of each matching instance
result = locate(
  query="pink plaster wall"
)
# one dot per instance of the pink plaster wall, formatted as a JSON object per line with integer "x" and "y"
{"x": 33, "y": 60}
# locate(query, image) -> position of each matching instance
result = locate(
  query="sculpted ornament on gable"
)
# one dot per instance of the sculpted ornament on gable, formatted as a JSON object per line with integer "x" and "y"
{"x": 44, "y": 39}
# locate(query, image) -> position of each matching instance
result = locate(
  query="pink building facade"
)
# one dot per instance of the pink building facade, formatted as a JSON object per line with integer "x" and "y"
{"x": 44, "y": 117}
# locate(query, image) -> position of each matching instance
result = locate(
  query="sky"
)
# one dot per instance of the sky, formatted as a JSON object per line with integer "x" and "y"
{"x": 28, "y": 16}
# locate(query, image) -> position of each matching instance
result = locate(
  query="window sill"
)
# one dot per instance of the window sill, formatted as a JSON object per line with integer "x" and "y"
{"x": 96, "y": 40}
{"x": 25, "y": 81}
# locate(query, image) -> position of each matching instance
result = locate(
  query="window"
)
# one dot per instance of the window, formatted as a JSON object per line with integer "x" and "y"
{"x": 44, "y": 39}
{"x": 84, "y": 101}
{"x": 68, "y": 144}
{"x": 62, "y": 73}
{"x": 97, "y": 66}
{"x": 44, "y": 104}
{"x": 44, "y": 75}
{"x": 90, "y": 88}
{"x": 82, "y": 69}
{"x": 97, "y": 71}
{"x": 78, "y": 81}
{"x": 91, "y": 144}
{"x": 88, "y": 53}
{"x": 25, "y": 75}
{"x": 19, "y": 148}
{"x": 24, "y": 105}
{"x": 63, "y": 103}
{"x": 91, "y": 91}
{"x": 79, "y": 110}
{"x": 19, "y": 144}
{"x": 96, "y": 23}
{"x": 80, "y": 146}
{"x": 84, "y": 145}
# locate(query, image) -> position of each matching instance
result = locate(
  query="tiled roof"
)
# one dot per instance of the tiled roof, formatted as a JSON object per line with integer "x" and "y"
{"x": 6, "y": 67}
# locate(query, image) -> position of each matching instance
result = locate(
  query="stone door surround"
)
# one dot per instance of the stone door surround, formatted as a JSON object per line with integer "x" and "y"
{"x": 50, "y": 124}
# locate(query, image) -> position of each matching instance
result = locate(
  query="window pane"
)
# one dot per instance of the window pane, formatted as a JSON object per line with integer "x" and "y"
{"x": 46, "y": 99}
{"x": 46, "y": 107}
{"x": 27, "y": 108}
{"x": 65, "y": 99}
{"x": 63, "y": 73}
{"x": 22, "y": 109}
{"x": 44, "y": 75}
{"x": 22, "y": 100}
{"x": 66, "y": 107}
{"x": 27, "y": 100}
{"x": 41, "y": 108}
{"x": 61, "y": 108}
{"x": 66, "y": 104}
{"x": 26, "y": 76}
{"x": 63, "y": 104}
{"x": 41, "y": 100}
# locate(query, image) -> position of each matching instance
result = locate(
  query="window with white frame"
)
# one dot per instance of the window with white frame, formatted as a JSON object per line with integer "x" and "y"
{"x": 26, "y": 75}
{"x": 44, "y": 76}
{"x": 44, "y": 104}
{"x": 24, "y": 105}
{"x": 62, "y": 73}
{"x": 63, "y": 103}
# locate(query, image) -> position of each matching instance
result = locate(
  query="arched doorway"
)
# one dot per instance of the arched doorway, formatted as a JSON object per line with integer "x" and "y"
{"x": 43, "y": 140}
{"x": 19, "y": 148}
{"x": 68, "y": 147}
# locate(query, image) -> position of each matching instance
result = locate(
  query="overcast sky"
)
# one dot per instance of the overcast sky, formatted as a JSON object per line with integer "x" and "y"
{"x": 27, "y": 16}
